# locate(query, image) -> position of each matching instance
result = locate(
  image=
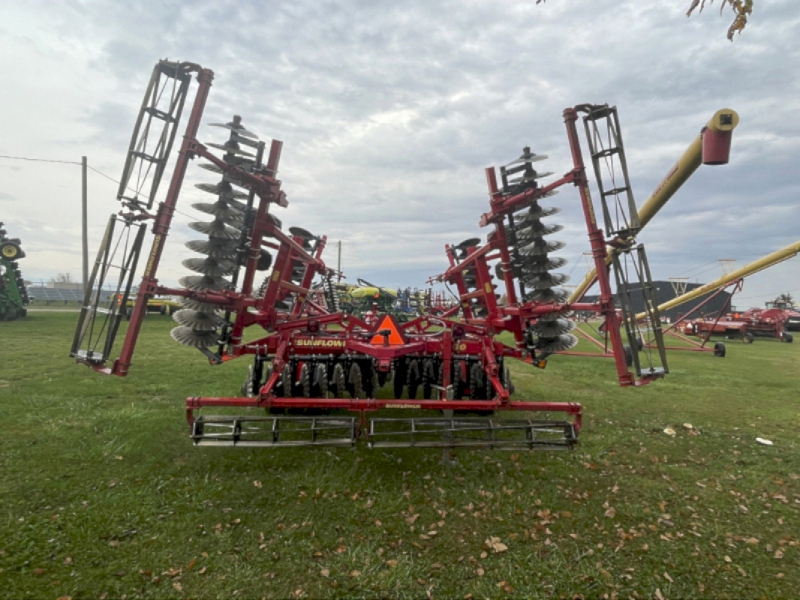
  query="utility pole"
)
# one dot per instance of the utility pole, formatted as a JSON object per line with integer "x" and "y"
{"x": 339, "y": 262}
{"x": 85, "y": 210}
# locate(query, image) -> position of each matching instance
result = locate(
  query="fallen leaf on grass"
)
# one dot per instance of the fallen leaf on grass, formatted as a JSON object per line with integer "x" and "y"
{"x": 258, "y": 484}
{"x": 778, "y": 553}
{"x": 178, "y": 587}
{"x": 412, "y": 519}
{"x": 341, "y": 549}
{"x": 354, "y": 573}
{"x": 611, "y": 512}
{"x": 68, "y": 560}
{"x": 668, "y": 578}
{"x": 202, "y": 571}
{"x": 670, "y": 431}
{"x": 495, "y": 544}
{"x": 325, "y": 572}
{"x": 659, "y": 595}
{"x": 391, "y": 563}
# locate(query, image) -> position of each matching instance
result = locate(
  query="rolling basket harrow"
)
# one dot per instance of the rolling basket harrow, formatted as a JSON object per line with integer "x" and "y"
{"x": 315, "y": 367}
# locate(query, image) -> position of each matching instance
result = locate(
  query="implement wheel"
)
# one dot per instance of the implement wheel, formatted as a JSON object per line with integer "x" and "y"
{"x": 747, "y": 337}
{"x": 719, "y": 349}
{"x": 355, "y": 383}
{"x": 414, "y": 379}
{"x": 399, "y": 378}
{"x": 10, "y": 251}
{"x": 787, "y": 337}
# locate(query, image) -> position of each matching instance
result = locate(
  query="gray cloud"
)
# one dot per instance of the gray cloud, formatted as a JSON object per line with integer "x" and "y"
{"x": 390, "y": 111}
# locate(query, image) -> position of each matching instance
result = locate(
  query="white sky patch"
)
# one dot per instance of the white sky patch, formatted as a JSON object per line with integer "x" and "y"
{"x": 390, "y": 112}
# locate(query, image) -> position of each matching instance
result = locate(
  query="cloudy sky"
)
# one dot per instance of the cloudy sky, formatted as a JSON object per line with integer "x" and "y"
{"x": 389, "y": 112}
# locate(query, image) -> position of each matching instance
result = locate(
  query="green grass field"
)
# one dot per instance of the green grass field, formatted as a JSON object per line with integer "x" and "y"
{"x": 102, "y": 494}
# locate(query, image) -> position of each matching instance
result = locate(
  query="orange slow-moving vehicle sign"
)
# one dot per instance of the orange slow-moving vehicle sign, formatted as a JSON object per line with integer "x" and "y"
{"x": 395, "y": 337}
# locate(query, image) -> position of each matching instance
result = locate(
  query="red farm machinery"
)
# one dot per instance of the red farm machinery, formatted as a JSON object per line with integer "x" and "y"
{"x": 316, "y": 373}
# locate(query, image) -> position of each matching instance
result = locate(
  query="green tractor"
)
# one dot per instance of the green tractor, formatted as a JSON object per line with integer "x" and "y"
{"x": 13, "y": 295}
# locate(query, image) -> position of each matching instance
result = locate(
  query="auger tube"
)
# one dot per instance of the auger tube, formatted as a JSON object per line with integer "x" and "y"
{"x": 762, "y": 263}
{"x": 700, "y": 151}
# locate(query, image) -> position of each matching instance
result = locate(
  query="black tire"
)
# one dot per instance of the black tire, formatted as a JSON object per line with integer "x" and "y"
{"x": 628, "y": 355}
{"x": 369, "y": 377}
{"x": 355, "y": 382}
{"x": 477, "y": 382}
{"x": 319, "y": 386}
{"x": 719, "y": 350}
{"x": 338, "y": 384}
{"x": 304, "y": 381}
{"x": 507, "y": 383}
{"x": 428, "y": 379}
{"x": 414, "y": 379}
{"x": 399, "y": 378}
{"x": 786, "y": 337}
{"x": 10, "y": 251}
{"x": 460, "y": 379}
{"x": 128, "y": 314}
{"x": 748, "y": 337}
{"x": 383, "y": 377}
{"x": 163, "y": 309}
{"x": 286, "y": 380}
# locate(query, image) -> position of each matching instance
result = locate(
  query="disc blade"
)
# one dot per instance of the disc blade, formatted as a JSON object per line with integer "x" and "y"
{"x": 548, "y": 296}
{"x": 535, "y": 213}
{"x": 237, "y": 129}
{"x": 210, "y": 167}
{"x": 193, "y": 304}
{"x": 528, "y": 157}
{"x": 541, "y": 264}
{"x": 209, "y": 266}
{"x": 539, "y": 248}
{"x": 541, "y": 281}
{"x": 470, "y": 243}
{"x": 204, "y": 282}
{"x": 223, "y": 188}
{"x": 264, "y": 261}
{"x": 199, "y": 321}
{"x": 221, "y": 211}
{"x": 216, "y": 229}
{"x": 301, "y": 233}
{"x": 215, "y": 248}
{"x": 194, "y": 338}
{"x": 231, "y": 148}
{"x": 536, "y": 229}
{"x": 552, "y": 328}
{"x": 565, "y": 341}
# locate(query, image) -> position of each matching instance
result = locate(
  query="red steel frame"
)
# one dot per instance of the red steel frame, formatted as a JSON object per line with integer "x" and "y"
{"x": 310, "y": 332}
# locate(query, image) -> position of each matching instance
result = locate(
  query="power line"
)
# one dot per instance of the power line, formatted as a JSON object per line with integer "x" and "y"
{"x": 104, "y": 175}
{"x": 72, "y": 162}
{"x": 65, "y": 162}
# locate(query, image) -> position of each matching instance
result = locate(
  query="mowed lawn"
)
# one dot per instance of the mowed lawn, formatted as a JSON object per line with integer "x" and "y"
{"x": 103, "y": 495}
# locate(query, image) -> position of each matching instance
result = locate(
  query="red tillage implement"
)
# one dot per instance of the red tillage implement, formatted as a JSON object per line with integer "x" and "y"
{"x": 312, "y": 361}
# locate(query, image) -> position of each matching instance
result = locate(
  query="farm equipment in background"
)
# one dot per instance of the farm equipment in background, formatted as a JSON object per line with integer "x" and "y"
{"x": 757, "y": 322}
{"x": 13, "y": 293}
{"x": 160, "y": 305}
{"x": 785, "y": 303}
{"x": 313, "y": 360}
